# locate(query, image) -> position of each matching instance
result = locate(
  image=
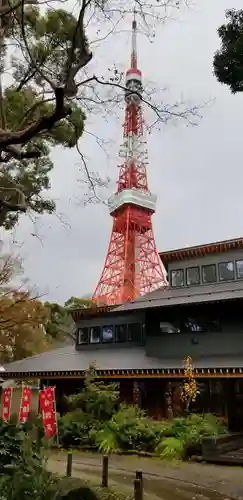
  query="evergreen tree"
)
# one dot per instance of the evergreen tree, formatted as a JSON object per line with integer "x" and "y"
{"x": 37, "y": 116}
{"x": 59, "y": 324}
{"x": 97, "y": 400}
{"x": 228, "y": 60}
{"x": 78, "y": 303}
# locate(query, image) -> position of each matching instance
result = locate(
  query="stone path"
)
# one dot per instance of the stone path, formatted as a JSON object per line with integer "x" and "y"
{"x": 167, "y": 481}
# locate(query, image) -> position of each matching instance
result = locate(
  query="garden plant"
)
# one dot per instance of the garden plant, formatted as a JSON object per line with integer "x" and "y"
{"x": 97, "y": 421}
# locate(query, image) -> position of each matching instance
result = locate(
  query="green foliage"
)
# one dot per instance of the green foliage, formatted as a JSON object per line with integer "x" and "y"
{"x": 90, "y": 409}
{"x": 33, "y": 178}
{"x": 30, "y": 480}
{"x": 189, "y": 431}
{"x": 97, "y": 400}
{"x": 228, "y": 61}
{"x": 97, "y": 421}
{"x": 33, "y": 175}
{"x": 77, "y": 303}
{"x": 11, "y": 441}
{"x": 50, "y": 39}
{"x": 129, "y": 429}
{"x": 76, "y": 489}
{"x": 192, "y": 425}
{"x": 199, "y": 426}
{"x": 26, "y": 104}
{"x": 59, "y": 325}
{"x": 171, "y": 448}
{"x": 23, "y": 474}
{"x": 35, "y": 430}
{"x": 22, "y": 466}
{"x": 75, "y": 429}
{"x": 25, "y": 101}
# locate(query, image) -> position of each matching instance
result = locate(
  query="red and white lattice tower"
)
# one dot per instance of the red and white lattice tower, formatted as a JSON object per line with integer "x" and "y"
{"x": 132, "y": 266}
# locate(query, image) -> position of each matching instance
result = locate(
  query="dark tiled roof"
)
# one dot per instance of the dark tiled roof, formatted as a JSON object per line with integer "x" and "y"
{"x": 67, "y": 359}
{"x": 168, "y": 296}
{"x": 201, "y": 250}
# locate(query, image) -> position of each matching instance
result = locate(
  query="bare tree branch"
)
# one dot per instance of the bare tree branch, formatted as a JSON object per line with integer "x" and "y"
{"x": 54, "y": 67}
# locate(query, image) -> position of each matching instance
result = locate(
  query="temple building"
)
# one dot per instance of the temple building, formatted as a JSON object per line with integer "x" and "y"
{"x": 142, "y": 344}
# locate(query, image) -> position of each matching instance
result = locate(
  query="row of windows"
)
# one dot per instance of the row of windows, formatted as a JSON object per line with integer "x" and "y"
{"x": 191, "y": 325}
{"x": 110, "y": 333}
{"x": 207, "y": 274}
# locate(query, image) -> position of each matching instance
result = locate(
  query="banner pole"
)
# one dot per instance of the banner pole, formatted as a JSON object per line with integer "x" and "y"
{"x": 21, "y": 399}
{"x": 55, "y": 408}
{"x": 10, "y": 403}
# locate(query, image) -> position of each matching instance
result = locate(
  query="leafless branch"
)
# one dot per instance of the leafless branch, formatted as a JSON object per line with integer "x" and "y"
{"x": 73, "y": 82}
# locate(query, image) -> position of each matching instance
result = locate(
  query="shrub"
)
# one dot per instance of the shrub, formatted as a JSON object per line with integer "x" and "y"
{"x": 206, "y": 424}
{"x": 11, "y": 442}
{"x": 30, "y": 480}
{"x": 97, "y": 422}
{"x": 91, "y": 408}
{"x": 171, "y": 448}
{"x": 198, "y": 427}
{"x": 23, "y": 473}
{"x": 129, "y": 429}
{"x": 76, "y": 489}
{"x": 34, "y": 425}
{"x": 98, "y": 400}
{"x": 77, "y": 430}
{"x": 194, "y": 424}
{"x": 175, "y": 427}
{"x": 107, "y": 439}
{"x": 190, "y": 431}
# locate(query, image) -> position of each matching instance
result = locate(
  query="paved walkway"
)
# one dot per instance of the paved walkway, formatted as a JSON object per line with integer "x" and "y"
{"x": 167, "y": 481}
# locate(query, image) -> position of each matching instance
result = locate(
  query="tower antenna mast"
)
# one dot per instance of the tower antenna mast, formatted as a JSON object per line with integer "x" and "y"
{"x": 132, "y": 265}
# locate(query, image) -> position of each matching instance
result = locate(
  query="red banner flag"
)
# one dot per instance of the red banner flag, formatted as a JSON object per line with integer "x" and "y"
{"x": 25, "y": 404}
{"x": 6, "y": 403}
{"x": 48, "y": 410}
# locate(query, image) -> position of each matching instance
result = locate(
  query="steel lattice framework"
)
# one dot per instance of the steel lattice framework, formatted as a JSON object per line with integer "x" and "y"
{"x": 132, "y": 266}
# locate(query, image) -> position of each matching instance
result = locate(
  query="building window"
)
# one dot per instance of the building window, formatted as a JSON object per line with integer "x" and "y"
{"x": 194, "y": 325}
{"x": 193, "y": 276}
{"x": 177, "y": 277}
{"x": 226, "y": 271}
{"x": 83, "y": 335}
{"x": 167, "y": 328}
{"x": 209, "y": 274}
{"x": 108, "y": 333}
{"x": 134, "y": 332}
{"x": 239, "y": 269}
{"x": 95, "y": 335}
{"x": 121, "y": 333}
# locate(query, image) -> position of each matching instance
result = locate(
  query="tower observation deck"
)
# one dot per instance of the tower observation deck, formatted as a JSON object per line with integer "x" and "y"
{"x": 132, "y": 265}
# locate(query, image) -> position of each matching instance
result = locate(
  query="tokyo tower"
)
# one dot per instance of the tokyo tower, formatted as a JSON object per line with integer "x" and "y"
{"x": 132, "y": 265}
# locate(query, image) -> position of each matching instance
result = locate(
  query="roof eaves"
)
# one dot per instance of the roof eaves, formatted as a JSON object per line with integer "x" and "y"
{"x": 181, "y": 300}
{"x": 228, "y": 369}
{"x": 181, "y": 253}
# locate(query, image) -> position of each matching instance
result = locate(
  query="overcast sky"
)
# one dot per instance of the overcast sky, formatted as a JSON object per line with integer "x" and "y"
{"x": 196, "y": 172}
